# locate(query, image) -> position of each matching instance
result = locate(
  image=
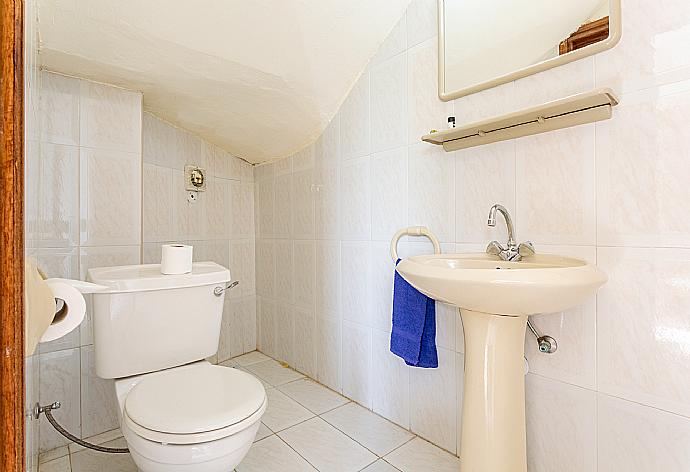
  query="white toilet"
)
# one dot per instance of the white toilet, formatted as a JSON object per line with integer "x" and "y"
{"x": 152, "y": 333}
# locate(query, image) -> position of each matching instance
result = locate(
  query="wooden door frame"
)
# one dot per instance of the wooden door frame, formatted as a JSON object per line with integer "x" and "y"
{"x": 12, "y": 451}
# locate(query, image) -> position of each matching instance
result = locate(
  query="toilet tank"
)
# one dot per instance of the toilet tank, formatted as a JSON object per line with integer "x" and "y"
{"x": 147, "y": 321}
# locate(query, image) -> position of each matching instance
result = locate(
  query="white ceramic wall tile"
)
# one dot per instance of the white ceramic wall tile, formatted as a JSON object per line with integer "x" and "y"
{"x": 59, "y": 381}
{"x": 356, "y": 281}
{"x": 217, "y": 221}
{"x": 265, "y": 267}
{"x": 446, "y": 318}
{"x": 426, "y": 110}
{"x": 485, "y": 104}
{"x": 357, "y": 378}
{"x": 326, "y": 213}
{"x": 355, "y": 131}
{"x": 282, "y": 217}
{"x": 305, "y": 332}
{"x": 433, "y": 401}
{"x": 431, "y": 190}
{"x": 388, "y": 193}
{"x": 326, "y": 447}
{"x": 158, "y": 139}
{"x": 284, "y": 271}
{"x": 484, "y": 176}
{"x": 303, "y": 204}
{"x": 391, "y": 391}
{"x": 249, "y": 323}
{"x": 554, "y": 84}
{"x": 157, "y": 208}
{"x": 650, "y": 52}
{"x": 389, "y": 104}
{"x": 355, "y": 214}
{"x": 646, "y": 165}
{"x": 328, "y": 343}
{"x": 642, "y": 327}
{"x": 265, "y": 195}
{"x": 422, "y": 21}
{"x": 633, "y": 437}
{"x": 109, "y": 118}
{"x": 266, "y": 309}
{"x": 382, "y": 273}
{"x": 556, "y": 187}
{"x": 284, "y": 331}
{"x": 59, "y": 98}
{"x": 328, "y": 279}
{"x": 305, "y": 273}
{"x": 110, "y": 198}
{"x": 561, "y": 426}
{"x": 99, "y": 408}
{"x": 58, "y": 215}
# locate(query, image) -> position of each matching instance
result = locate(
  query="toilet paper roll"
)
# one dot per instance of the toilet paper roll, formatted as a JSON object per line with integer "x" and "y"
{"x": 176, "y": 259}
{"x": 70, "y": 309}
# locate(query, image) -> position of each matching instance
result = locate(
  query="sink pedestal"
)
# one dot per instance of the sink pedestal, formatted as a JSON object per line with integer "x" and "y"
{"x": 493, "y": 407}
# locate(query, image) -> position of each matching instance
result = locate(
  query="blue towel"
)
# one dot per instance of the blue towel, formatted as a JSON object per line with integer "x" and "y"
{"x": 414, "y": 325}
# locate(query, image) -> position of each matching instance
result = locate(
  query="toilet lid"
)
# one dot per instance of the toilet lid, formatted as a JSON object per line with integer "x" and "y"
{"x": 197, "y": 399}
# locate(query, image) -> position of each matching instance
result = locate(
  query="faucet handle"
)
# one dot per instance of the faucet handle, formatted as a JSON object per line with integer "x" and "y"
{"x": 494, "y": 248}
{"x": 526, "y": 249}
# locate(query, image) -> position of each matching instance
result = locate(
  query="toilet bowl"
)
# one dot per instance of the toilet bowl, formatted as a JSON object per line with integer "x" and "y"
{"x": 198, "y": 417}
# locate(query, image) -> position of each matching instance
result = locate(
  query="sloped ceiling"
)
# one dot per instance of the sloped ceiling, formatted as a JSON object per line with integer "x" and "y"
{"x": 259, "y": 78}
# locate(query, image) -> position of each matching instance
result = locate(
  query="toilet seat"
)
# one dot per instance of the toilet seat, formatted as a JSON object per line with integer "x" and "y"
{"x": 196, "y": 404}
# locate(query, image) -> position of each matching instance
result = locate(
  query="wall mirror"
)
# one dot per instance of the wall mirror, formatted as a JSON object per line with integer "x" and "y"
{"x": 484, "y": 43}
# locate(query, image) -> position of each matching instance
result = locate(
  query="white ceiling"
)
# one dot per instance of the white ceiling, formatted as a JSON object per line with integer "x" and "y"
{"x": 259, "y": 78}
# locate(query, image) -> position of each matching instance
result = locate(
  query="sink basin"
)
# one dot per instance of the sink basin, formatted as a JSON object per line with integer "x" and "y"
{"x": 495, "y": 298}
{"x": 542, "y": 283}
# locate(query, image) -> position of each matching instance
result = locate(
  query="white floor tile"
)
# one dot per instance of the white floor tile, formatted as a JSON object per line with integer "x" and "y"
{"x": 58, "y": 465}
{"x": 250, "y": 358}
{"x": 283, "y": 412}
{"x": 421, "y": 456}
{"x": 229, "y": 363}
{"x": 326, "y": 448}
{"x": 244, "y": 369}
{"x": 53, "y": 454}
{"x": 369, "y": 429}
{"x": 273, "y": 455}
{"x": 91, "y": 461}
{"x": 274, "y": 373}
{"x": 263, "y": 432}
{"x": 313, "y": 395}
{"x": 381, "y": 466}
{"x": 97, "y": 439}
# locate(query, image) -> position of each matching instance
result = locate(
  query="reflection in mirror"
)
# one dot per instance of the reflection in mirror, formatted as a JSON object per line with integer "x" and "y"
{"x": 487, "y": 42}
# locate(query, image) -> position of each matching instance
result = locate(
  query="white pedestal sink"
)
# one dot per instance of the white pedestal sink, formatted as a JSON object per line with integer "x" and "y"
{"x": 495, "y": 298}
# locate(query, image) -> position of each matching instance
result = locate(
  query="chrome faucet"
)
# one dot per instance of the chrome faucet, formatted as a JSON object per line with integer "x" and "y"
{"x": 513, "y": 252}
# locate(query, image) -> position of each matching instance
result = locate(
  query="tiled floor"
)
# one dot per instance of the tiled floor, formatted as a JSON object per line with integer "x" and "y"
{"x": 306, "y": 428}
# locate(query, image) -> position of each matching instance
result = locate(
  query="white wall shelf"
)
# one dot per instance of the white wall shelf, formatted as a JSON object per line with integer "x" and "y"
{"x": 574, "y": 110}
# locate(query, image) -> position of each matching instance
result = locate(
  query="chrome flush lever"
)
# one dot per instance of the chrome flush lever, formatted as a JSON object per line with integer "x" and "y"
{"x": 218, "y": 291}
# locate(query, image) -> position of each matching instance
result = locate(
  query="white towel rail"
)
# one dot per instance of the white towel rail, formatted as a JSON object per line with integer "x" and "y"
{"x": 413, "y": 231}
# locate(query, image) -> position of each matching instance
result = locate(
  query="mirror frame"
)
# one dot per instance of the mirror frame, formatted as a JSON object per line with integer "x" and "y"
{"x": 615, "y": 32}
